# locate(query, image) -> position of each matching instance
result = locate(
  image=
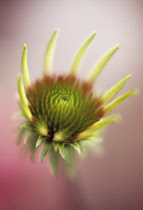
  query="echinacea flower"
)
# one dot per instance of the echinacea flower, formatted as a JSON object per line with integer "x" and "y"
{"x": 62, "y": 112}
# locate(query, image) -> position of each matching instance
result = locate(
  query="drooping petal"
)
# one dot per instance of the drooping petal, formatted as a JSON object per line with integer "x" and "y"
{"x": 24, "y": 65}
{"x": 48, "y": 61}
{"x": 79, "y": 55}
{"x": 100, "y": 64}
{"x": 113, "y": 90}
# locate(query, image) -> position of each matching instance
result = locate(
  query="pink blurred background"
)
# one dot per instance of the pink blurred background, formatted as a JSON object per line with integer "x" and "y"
{"x": 113, "y": 181}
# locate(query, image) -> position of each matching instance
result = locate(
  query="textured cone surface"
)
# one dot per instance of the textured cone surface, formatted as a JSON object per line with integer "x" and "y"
{"x": 64, "y": 105}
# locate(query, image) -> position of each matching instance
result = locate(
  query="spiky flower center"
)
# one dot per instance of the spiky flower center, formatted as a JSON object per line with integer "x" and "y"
{"x": 63, "y": 106}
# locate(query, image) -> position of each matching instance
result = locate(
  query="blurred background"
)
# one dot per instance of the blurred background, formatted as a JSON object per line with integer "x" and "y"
{"x": 112, "y": 181}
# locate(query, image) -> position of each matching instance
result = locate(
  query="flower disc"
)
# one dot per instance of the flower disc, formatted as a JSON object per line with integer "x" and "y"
{"x": 64, "y": 106}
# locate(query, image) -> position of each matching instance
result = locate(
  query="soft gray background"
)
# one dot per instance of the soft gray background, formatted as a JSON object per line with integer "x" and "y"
{"x": 113, "y": 181}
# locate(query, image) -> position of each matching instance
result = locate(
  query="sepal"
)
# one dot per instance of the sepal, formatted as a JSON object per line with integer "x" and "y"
{"x": 61, "y": 149}
{"x": 81, "y": 148}
{"x": 21, "y": 134}
{"x": 75, "y": 145}
{"x": 46, "y": 148}
{"x": 56, "y": 146}
{"x": 32, "y": 144}
{"x": 40, "y": 140}
{"x": 54, "y": 157}
{"x": 28, "y": 136}
{"x": 69, "y": 161}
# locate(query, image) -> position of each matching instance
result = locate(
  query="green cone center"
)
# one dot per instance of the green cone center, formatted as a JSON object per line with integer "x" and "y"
{"x": 64, "y": 105}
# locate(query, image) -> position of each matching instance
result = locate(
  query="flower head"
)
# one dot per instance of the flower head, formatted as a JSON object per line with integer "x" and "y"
{"x": 63, "y": 112}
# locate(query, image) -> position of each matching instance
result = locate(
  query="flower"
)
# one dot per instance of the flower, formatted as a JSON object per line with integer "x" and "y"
{"x": 62, "y": 112}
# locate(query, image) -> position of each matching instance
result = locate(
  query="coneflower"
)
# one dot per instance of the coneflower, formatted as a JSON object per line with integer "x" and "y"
{"x": 61, "y": 113}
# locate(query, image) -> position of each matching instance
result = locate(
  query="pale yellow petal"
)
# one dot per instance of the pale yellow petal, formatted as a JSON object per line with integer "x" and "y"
{"x": 112, "y": 105}
{"x": 113, "y": 90}
{"x": 48, "y": 61}
{"x": 100, "y": 64}
{"x": 78, "y": 56}
{"x": 24, "y": 65}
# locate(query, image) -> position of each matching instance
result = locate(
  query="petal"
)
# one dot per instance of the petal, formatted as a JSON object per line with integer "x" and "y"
{"x": 115, "y": 89}
{"x": 23, "y": 99}
{"x": 50, "y": 53}
{"x": 79, "y": 55}
{"x": 24, "y": 64}
{"x": 119, "y": 100}
{"x": 100, "y": 64}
